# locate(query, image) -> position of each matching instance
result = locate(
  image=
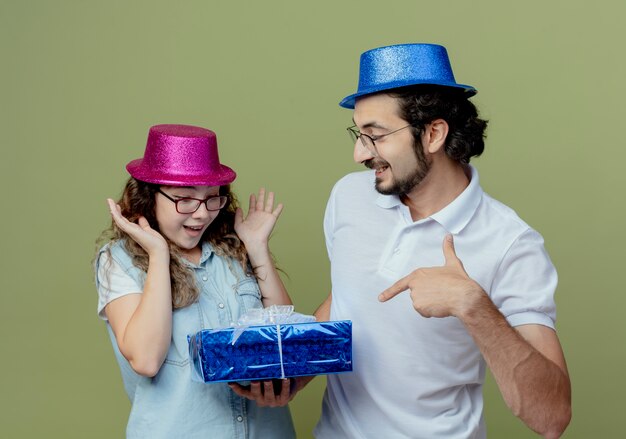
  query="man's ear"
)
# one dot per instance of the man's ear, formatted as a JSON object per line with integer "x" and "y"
{"x": 435, "y": 134}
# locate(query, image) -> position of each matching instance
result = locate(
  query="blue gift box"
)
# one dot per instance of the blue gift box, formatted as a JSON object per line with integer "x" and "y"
{"x": 271, "y": 351}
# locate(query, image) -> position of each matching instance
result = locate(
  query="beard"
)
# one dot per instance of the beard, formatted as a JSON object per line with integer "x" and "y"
{"x": 402, "y": 185}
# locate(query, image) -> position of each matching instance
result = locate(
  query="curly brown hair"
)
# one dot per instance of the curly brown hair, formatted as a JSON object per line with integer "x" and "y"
{"x": 139, "y": 199}
{"x": 421, "y": 104}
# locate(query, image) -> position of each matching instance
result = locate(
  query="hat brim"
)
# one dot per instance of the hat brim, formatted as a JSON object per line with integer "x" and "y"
{"x": 349, "y": 101}
{"x": 223, "y": 176}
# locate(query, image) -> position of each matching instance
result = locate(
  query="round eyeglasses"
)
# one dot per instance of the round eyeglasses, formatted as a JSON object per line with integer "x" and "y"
{"x": 369, "y": 142}
{"x": 190, "y": 205}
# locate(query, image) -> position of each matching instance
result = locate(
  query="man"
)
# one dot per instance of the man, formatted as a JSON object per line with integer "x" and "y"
{"x": 438, "y": 278}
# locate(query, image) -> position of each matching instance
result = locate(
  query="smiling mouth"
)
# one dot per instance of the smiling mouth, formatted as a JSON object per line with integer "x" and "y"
{"x": 194, "y": 228}
{"x": 380, "y": 169}
{"x": 377, "y": 165}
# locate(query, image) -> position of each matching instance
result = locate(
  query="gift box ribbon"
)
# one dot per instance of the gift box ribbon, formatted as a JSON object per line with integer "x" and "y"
{"x": 275, "y": 314}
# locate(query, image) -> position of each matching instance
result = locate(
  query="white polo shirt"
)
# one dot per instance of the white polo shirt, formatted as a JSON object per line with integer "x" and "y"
{"x": 416, "y": 377}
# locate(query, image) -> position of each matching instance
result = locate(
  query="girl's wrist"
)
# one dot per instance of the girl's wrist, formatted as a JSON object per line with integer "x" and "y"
{"x": 159, "y": 255}
{"x": 259, "y": 255}
{"x": 256, "y": 244}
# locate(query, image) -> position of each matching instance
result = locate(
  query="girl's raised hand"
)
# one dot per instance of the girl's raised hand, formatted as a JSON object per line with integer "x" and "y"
{"x": 141, "y": 232}
{"x": 256, "y": 227}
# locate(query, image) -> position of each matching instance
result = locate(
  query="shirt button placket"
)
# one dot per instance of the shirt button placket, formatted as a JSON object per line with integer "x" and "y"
{"x": 239, "y": 413}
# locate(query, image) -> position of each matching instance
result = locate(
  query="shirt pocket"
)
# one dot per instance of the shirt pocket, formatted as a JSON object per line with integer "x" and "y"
{"x": 248, "y": 294}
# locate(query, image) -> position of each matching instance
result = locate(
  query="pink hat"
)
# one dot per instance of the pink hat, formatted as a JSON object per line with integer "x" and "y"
{"x": 181, "y": 155}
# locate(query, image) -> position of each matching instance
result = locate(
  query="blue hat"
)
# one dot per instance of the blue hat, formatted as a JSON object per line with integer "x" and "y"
{"x": 396, "y": 66}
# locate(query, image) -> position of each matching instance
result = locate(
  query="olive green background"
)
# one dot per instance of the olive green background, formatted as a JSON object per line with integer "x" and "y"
{"x": 82, "y": 81}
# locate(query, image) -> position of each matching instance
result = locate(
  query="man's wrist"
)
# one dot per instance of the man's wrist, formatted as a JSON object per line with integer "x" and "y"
{"x": 473, "y": 300}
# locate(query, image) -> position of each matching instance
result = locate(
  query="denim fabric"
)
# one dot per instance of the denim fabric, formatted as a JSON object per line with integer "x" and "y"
{"x": 170, "y": 404}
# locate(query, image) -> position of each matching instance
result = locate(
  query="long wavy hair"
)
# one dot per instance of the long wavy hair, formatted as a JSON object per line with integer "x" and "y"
{"x": 139, "y": 199}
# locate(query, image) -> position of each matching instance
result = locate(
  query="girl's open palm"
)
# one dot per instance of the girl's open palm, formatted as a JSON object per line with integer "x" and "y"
{"x": 141, "y": 232}
{"x": 256, "y": 227}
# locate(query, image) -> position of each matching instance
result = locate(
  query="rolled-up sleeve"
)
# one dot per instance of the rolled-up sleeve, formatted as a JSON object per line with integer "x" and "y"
{"x": 524, "y": 285}
{"x": 112, "y": 282}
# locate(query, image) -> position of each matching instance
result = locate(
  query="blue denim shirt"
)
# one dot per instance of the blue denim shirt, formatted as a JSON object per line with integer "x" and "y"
{"x": 170, "y": 404}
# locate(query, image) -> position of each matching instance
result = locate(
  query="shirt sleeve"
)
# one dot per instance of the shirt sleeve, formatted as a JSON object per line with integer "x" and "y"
{"x": 524, "y": 285}
{"x": 329, "y": 222}
{"x": 112, "y": 282}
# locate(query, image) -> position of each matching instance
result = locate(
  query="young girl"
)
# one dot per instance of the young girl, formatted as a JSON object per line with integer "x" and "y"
{"x": 182, "y": 257}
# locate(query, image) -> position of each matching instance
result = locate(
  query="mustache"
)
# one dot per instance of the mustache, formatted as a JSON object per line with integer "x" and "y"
{"x": 375, "y": 163}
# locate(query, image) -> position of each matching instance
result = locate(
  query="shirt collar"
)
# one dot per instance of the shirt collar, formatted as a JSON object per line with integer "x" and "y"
{"x": 207, "y": 251}
{"x": 455, "y": 216}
